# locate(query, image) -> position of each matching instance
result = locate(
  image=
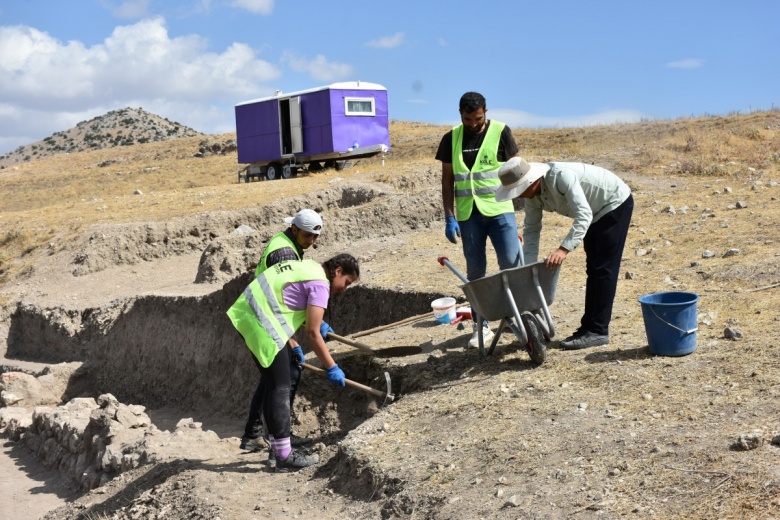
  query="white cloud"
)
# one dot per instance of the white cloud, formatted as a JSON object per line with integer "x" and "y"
{"x": 387, "y": 42}
{"x": 319, "y": 68}
{"x": 518, "y": 119}
{"x": 690, "y": 63}
{"x": 255, "y": 6}
{"x": 442, "y": 42}
{"x": 53, "y": 85}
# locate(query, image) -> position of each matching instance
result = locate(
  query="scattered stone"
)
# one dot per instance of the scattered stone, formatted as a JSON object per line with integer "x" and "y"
{"x": 670, "y": 210}
{"x": 732, "y": 252}
{"x": 776, "y": 440}
{"x": 732, "y": 333}
{"x": 514, "y": 501}
{"x": 741, "y": 204}
{"x": 582, "y": 407}
{"x": 243, "y": 229}
{"x": 641, "y": 252}
{"x": 499, "y": 492}
{"x": 727, "y": 190}
{"x": 629, "y": 275}
{"x": 708, "y": 254}
{"x": 138, "y": 192}
{"x": 614, "y": 472}
{"x": 647, "y": 397}
{"x": 749, "y": 442}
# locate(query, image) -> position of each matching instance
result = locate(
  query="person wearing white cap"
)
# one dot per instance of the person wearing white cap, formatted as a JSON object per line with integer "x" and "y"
{"x": 600, "y": 204}
{"x": 290, "y": 244}
{"x": 471, "y": 154}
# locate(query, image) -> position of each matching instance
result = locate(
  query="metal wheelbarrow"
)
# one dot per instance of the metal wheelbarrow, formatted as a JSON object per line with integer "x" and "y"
{"x": 519, "y": 297}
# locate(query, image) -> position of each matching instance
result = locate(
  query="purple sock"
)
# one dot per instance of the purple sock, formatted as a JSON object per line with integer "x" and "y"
{"x": 281, "y": 447}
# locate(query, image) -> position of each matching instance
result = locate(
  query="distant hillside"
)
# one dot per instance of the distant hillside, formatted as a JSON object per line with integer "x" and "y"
{"x": 124, "y": 127}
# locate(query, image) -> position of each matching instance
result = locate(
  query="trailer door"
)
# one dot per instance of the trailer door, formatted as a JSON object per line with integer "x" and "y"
{"x": 296, "y": 130}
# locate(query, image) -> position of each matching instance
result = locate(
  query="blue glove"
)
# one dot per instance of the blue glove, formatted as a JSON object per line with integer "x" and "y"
{"x": 451, "y": 229}
{"x": 324, "y": 330}
{"x": 297, "y": 355}
{"x": 336, "y": 376}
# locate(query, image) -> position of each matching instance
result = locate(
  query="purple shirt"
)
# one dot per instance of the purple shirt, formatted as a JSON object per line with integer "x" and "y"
{"x": 298, "y": 295}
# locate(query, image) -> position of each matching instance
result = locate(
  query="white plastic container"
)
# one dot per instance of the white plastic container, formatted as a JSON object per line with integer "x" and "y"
{"x": 443, "y": 310}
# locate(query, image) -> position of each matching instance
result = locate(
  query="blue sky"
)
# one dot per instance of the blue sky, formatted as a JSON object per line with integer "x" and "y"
{"x": 539, "y": 64}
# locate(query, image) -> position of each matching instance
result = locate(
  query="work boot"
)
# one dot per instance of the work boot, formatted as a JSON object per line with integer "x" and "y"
{"x": 297, "y": 442}
{"x": 295, "y": 461}
{"x": 251, "y": 445}
{"x": 585, "y": 340}
{"x": 487, "y": 335}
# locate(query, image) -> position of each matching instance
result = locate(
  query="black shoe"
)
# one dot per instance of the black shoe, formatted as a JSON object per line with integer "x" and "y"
{"x": 271, "y": 462}
{"x": 297, "y": 442}
{"x": 585, "y": 340}
{"x": 252, "y": 445}
{"x": 577, "y": 334}
{"x": 295, "y": 461}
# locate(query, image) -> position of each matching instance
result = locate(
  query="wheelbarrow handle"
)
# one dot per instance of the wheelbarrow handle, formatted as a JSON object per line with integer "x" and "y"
{"x": 443, "y": 260}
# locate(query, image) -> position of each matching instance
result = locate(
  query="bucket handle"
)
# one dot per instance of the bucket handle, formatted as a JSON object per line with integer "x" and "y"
{"x": 686, "y": 332}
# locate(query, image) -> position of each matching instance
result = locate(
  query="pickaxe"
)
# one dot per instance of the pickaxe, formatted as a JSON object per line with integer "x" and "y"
{"x": 385, "y": 396}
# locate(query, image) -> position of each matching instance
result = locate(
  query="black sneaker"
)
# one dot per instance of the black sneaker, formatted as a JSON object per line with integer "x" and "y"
{"x": 251, "y": 445}
{"x": 271, "y": 462}
{"x": 577, "y": 334}
{"x": 297, "y": 442}
{"x": 295, "y": 461}
{"x": 585, "y": 340}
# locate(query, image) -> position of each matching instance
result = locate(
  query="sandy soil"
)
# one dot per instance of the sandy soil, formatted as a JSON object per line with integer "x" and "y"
{"x": 607, "y": 432}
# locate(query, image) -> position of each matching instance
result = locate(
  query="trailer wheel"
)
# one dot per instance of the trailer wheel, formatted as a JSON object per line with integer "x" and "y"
{"x": 273, "y": 171}
{"x": 286, "y": 171}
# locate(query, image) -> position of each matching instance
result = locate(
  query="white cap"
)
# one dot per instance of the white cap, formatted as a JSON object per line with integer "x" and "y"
{"x": 306, "y": 220}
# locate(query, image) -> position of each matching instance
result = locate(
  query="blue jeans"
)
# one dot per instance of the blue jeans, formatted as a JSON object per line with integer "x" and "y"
{"x": 502, "y": 230}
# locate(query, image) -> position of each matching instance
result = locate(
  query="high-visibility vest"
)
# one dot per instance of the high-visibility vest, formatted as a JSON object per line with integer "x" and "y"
{"x": 260, "y": 314}
{"x": 478, "y": 185}
{"x": 278, "y": 241}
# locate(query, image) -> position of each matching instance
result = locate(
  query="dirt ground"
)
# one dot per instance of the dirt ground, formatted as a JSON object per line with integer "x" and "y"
{"x": 606, "y": 432}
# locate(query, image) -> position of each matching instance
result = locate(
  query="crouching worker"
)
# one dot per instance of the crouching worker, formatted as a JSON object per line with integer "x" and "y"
{"x": 267, "y": 314}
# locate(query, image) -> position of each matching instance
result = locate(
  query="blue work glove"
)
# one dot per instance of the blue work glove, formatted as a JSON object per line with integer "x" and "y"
{"x": 324, "y": 330}
{"x": 297, "y": 355}
{"x": 451, "y": 229}
{"x": 336, "y": 376}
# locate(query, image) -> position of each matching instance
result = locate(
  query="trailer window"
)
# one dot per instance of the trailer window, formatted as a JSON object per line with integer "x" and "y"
{"x": 359, "y": 106}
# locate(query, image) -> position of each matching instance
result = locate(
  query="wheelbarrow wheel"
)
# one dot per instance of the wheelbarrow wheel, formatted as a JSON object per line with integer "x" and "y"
{"x": 537, "y": 343}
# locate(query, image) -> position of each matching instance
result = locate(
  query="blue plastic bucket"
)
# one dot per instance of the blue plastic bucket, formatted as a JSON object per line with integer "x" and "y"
{"x": 670, "y": 322}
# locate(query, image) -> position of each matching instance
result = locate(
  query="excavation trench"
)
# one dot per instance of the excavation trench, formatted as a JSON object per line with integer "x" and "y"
{"x": 182, "y": 354}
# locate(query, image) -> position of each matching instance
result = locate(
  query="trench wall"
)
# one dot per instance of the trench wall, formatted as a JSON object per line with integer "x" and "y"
{"x": 178, "y": 351}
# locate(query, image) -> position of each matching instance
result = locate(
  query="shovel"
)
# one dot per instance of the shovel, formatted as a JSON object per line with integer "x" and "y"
{"x": 385, "y": 352}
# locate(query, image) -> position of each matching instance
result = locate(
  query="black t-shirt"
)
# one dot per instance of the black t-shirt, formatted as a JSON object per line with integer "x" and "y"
{"x": 507, "y": 147}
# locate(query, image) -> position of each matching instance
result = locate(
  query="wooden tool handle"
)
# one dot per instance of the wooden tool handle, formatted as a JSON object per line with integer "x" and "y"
{"x": 391, "y": 325}
{"x": 349, "y": 382}
{"x": 351, "y": 342}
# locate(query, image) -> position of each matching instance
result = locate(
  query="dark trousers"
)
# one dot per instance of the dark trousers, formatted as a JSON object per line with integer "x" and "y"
{"x": 275, "y": 393}
{"x": 604, "y": 243}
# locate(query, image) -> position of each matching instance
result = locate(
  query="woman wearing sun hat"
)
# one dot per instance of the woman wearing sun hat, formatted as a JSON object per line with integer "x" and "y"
{"x": 600, "y": 204}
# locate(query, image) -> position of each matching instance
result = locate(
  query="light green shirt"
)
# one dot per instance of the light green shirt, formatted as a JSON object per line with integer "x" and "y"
{"x": 581, "y": 191}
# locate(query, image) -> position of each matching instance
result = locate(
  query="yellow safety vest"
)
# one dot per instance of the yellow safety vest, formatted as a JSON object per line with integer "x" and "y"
{"x": 278, "y": 241}
{"x": 478, "y": 185}
{"x": 260, "y": 314}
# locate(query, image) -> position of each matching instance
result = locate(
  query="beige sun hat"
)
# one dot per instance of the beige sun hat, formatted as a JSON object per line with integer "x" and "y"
{"x": 516, "y": 175}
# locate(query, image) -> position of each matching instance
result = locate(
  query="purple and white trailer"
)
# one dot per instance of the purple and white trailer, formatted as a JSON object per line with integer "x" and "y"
{"x": 278, "y": 136}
